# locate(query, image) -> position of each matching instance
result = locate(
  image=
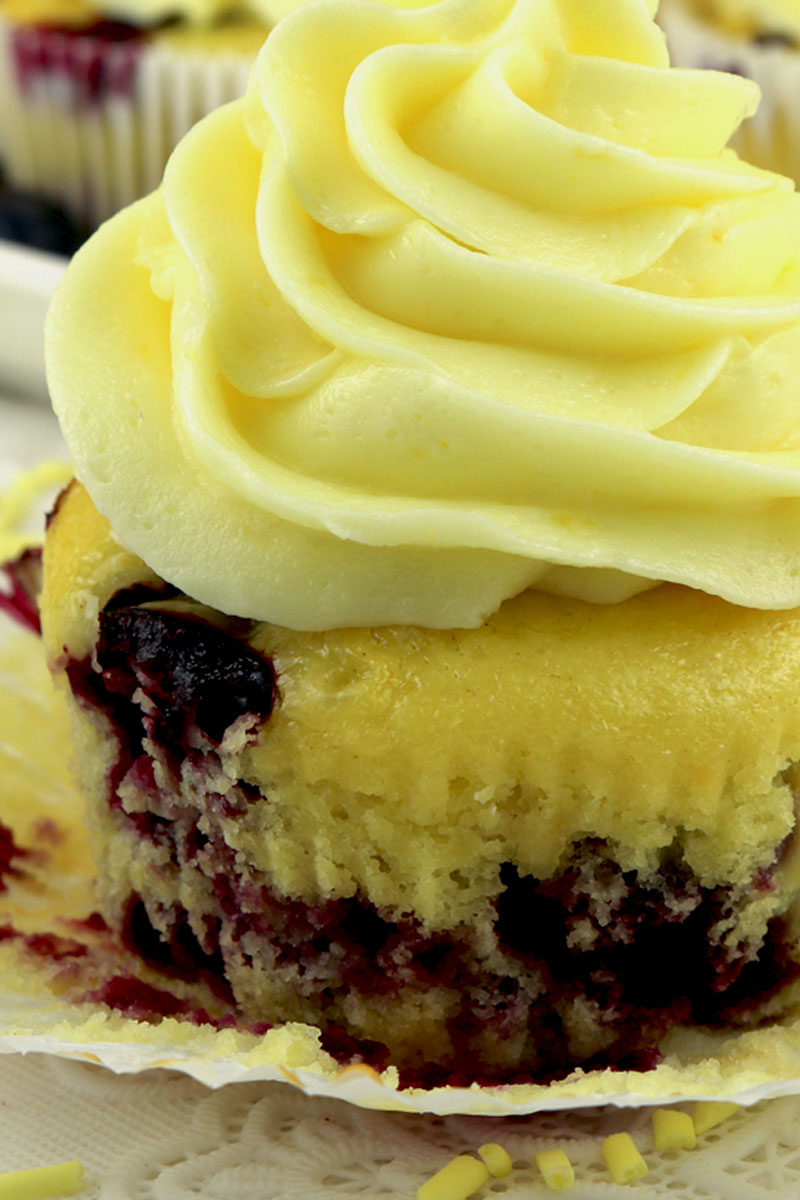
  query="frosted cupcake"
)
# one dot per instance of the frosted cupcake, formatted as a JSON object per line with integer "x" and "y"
{"x": 94, "y": 96}
{"x": 756, "y": 38}
{"x": 428, "y": 606}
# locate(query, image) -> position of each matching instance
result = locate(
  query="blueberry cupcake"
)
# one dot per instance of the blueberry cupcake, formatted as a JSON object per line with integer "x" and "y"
{"x": 428, "y": 606}
{"x": 93, "y": 96}
{"x": 756, "y": 38}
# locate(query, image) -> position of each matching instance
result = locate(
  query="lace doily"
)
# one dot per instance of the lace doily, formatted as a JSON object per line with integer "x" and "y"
{"x": 161, "y": 1136}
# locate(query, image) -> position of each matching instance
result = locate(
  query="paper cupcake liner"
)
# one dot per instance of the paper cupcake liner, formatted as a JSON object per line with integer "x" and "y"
{"x": 771, "y": 138}
{"x": 90, "y": 123}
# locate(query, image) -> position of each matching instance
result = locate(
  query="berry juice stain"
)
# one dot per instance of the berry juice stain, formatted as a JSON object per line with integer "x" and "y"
{"x": 10, "y": 853}
{"x": 20, "y": 599}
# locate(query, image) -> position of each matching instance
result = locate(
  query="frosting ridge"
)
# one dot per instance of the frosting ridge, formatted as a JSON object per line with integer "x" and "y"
{"x": 461, "y": 298}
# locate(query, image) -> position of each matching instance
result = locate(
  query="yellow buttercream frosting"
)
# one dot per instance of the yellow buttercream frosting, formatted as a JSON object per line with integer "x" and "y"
{"x": 460, "y": 299}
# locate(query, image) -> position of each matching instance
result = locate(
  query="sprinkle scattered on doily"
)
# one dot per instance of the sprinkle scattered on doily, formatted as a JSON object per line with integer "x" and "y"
{"x": 41, "y": 1183}
{"x": 465, "y": 1175}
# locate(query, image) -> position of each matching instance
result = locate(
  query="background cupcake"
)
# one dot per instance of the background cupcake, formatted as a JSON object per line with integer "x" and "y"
{"x": 756, "y": 38}
{"x": 93, "y": 96}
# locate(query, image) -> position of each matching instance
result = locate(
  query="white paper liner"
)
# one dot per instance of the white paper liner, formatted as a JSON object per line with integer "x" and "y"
{"x": 95, "y": 157}
{"x": 34, "y": 1017}
{"x": 771, "y": 138}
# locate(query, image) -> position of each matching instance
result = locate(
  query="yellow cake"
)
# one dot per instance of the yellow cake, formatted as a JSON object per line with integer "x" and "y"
{"x": 429, "y": 604}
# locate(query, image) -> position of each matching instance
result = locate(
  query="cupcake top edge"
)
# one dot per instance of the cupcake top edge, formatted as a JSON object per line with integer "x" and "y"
{"x": 461, "y": 298}
{"x": 140, "y": 14}
{"x": 755, "y": 19}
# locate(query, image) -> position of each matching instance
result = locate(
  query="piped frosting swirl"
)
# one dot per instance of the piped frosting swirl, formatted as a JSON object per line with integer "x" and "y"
{"x": 460, "y": 299}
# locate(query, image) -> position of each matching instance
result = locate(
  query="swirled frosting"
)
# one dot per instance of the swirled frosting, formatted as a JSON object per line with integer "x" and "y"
{"x": 460, "y": 299}
{"x": 755, "y": 17}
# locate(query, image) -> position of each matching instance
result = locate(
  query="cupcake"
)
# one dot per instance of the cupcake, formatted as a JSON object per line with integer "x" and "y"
{"x": 756, "y": 38}
{"x": 427, "y": 605}
{"x": 94, "y": 96}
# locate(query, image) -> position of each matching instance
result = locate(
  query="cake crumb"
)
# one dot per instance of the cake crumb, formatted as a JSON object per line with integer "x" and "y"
{"x": 40, "y": 1183}
{"x": 673, "y": 1130}
{"x": 710, "y": 1113}
{"x": 625, "y": 1163}
{"x": 456, "y": 1181}
{"x": 497, "y": 1159}
{"x": 556, "y": 1169}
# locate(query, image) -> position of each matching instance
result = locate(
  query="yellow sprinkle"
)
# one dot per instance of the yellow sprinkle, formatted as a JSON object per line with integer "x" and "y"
{"x": 460, "y": 1178}
{"x": 673, "y": 1130}
{"x": 20, "y": 500}
{"x": 708, "y": 1113}
{"x": 62, "y": 1179}
{"x": 624, "y": 1162}
{"x": 556, "y": 1169}
{"x": 497, "y": 1159}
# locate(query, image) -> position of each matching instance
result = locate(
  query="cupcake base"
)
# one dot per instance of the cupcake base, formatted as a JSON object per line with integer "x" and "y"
{"x": 608, "y": 880}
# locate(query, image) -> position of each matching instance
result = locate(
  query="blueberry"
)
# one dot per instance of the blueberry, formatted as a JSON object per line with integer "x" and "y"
{"x": 192, "y": 673}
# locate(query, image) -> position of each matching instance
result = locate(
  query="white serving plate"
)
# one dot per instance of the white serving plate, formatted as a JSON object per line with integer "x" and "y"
{"x": 27, "y": 280}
